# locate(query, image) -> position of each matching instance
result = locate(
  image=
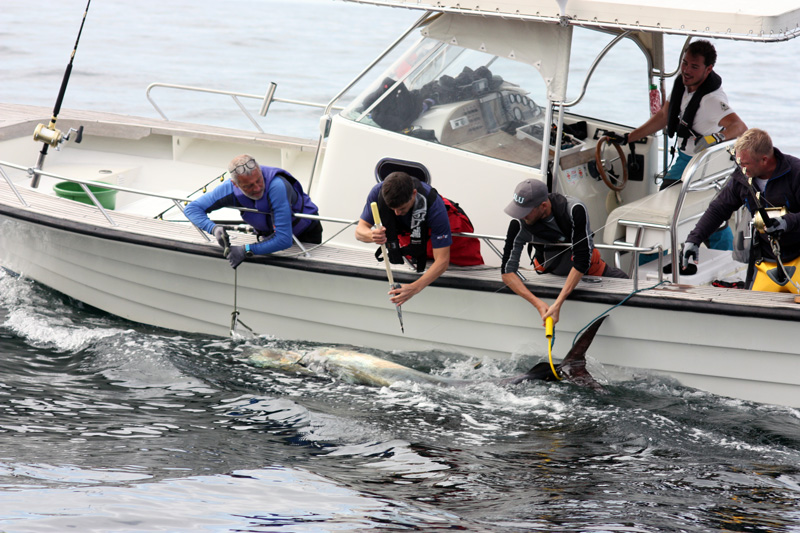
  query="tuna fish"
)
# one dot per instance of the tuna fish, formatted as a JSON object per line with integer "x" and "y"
{"x": 366, "y": 369}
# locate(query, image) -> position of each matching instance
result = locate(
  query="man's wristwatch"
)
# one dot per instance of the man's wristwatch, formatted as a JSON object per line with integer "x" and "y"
{"x": 247, "y": 251}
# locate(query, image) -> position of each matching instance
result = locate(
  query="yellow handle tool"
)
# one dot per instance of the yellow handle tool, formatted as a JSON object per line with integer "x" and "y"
{"x": 377, "y": 217}
{"x": 549, "y": 332}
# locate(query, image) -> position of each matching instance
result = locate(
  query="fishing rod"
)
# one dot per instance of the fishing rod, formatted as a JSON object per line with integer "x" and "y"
{"x": 49, "y": 135}
{"x": 781, "y": 275}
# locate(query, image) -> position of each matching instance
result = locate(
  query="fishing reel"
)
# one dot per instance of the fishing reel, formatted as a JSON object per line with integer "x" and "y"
{"x": 54, "y": 137}
{"x": 772, "y": 212}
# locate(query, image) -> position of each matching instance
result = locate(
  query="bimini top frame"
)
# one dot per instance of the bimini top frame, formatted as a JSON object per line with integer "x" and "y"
{"x": 776, "y": 20}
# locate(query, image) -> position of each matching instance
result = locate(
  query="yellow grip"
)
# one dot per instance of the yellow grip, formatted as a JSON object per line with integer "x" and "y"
{"x": 375, "y": 214}
{"x": 548, "y": 332}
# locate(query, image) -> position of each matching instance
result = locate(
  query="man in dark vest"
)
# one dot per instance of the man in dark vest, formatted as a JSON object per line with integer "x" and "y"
{"x": 768, "y": 179}
{"x": 414, "y": 220}
{"x": 697, "y": 112}
{"x": 274, "y": 193}
{"x": 544, "y": 218}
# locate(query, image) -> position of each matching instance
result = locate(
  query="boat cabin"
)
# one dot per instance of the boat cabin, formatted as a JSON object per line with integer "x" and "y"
{"x": 483, "y": 98}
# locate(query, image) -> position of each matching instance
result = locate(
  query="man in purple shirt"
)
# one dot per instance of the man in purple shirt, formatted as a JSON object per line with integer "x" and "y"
{"x": 273, "y": 194}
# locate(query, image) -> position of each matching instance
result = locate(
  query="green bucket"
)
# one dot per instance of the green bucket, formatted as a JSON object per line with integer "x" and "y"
{"x": 74, "y": 191}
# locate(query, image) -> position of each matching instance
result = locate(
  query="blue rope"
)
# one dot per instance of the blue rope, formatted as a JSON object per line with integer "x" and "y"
{"x": 605, "y": 313}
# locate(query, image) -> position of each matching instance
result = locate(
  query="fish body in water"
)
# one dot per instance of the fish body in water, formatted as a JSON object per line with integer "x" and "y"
{"x": 348, "y": 365}
{"x": 365, "y": 369}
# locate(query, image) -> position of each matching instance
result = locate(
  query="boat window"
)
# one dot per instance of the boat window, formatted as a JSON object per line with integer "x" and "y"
{"x": 619, "y": 91}
{"x": 458, "y": 97}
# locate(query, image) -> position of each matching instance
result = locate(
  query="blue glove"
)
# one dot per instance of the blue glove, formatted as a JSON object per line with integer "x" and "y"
{"x": 616, "y": 138}
{"x": 776, "y": 226}
{"x": 690, "y": 250}
{"x": 236, "y": 255}
{"x": 701, "y": 143}
{"x": 222, "y": 237}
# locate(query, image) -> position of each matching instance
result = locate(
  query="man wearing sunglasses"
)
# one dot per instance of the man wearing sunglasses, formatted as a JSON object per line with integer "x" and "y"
{"x": 273, "y": 194}
{"x": 765, "y": 178}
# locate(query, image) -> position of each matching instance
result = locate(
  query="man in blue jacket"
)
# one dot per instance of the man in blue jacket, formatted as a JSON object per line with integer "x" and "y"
{"x": 274, "y": 194}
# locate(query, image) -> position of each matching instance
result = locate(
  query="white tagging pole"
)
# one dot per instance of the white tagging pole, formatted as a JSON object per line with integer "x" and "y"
{"x": 377, "y": 217}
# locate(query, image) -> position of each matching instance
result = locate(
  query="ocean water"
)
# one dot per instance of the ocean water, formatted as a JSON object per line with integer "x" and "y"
{"x": 106, "y": 425}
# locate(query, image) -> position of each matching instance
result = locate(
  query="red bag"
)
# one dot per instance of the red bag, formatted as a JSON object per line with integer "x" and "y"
{"x": 465, "y": 251}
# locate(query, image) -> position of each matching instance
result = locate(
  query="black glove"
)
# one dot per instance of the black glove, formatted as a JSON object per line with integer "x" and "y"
{"x": 690, "y": 250}
{"x": 775, "y": 226}
{"x": 236, "y": 256}
{"x": 616, "y": 138}
{"x": 222, "y": 237}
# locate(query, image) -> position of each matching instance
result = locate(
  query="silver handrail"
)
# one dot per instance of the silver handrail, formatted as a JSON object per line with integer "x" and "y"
{"x": 695, "y": 167}
{"x": 84, "y": 185}
{"x": 619, "y": 247}
{"x": 266, "y": 100}
{"x": 594, "y": 65}
{"x": 326, "y": 114}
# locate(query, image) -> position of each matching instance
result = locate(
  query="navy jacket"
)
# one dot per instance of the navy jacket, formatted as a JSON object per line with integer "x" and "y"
{"x": 782, "y": 190}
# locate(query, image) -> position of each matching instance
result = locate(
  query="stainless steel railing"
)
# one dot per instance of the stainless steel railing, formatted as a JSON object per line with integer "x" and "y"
{"x": 85, "y": 186}
{"x": 179, "y": 201}
{"x": 266, "y": 100}
{"x": 697, "y": 167}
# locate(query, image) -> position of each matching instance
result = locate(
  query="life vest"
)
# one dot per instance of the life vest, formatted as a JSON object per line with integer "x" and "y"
{"x": 682, "y": 124}
{"x": 564, "y": 264}
{"x": 263, "y": 221}
{"x": 558, "y": 259}
{"x": 416, "y": 240}
{"x": 465, "y": 251}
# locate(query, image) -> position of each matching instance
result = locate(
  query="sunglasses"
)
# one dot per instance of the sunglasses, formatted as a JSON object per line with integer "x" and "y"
{"x": 244, "y": 169}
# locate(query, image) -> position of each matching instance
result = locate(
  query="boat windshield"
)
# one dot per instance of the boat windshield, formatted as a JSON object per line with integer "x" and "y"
{"x": 458, "y": 97}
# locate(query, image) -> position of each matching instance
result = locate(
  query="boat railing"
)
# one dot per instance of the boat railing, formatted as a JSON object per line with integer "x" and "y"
{"x": 617, "y": 248}
{"x": 325, "y": 121}
{"x": 698, "y": 177}
{"x": 266, "y": 100}
{"x": 179, "y": 202}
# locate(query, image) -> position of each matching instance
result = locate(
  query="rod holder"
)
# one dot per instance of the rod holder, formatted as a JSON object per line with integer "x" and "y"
{"x": 268, "y": 99}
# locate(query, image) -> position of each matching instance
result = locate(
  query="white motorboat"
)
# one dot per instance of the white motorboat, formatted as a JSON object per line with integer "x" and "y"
{"x": 130, "y": 251}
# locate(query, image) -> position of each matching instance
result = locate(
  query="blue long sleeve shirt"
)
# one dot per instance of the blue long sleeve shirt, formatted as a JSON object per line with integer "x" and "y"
{"x": 279, "y": 194}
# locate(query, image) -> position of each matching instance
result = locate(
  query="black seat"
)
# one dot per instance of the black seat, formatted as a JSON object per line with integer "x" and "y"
{"x": 387, "y": 165}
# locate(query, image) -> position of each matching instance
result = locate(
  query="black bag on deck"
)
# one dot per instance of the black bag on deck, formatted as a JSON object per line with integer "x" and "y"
{"x": 397, "y": 110}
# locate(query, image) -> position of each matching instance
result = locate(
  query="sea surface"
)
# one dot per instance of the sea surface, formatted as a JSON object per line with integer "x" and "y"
{"x": 107, "y": 425}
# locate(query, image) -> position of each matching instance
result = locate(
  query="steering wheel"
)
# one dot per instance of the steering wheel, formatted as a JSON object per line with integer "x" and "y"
{"x": 619, "y": 183}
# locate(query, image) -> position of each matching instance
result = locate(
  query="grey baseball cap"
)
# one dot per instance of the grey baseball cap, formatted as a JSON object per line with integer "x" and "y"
{"x": 528, "y": 194}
